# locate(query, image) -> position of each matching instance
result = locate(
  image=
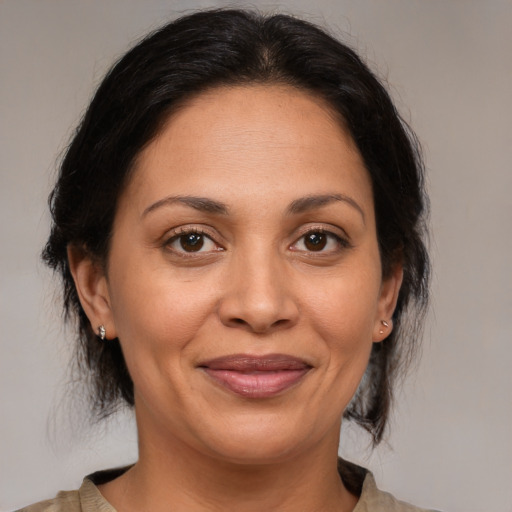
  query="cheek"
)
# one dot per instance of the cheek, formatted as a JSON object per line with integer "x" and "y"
{"x": 345, "y": 308}
{"x": 157, "y": 313}
{"x": 344, "y": 316}
{"x": 158, "y": 320}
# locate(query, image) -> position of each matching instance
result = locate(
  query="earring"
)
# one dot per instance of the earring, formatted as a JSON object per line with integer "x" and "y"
{"x": 102, "y": 332}
{"x": 385, "y": 324}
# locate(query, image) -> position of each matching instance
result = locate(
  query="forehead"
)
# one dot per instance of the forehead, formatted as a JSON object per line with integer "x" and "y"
{"x": 276, "y": 114}
{"x": 267, "y": 137}
{"x": 255, "y": 107}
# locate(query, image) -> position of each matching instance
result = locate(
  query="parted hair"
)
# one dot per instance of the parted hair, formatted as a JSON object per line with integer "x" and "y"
{"x": 213, "y": 48}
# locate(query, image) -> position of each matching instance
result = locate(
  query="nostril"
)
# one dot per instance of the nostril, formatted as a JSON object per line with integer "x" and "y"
{"x": 255, "y": 326}
{"x": 257, "y": 314}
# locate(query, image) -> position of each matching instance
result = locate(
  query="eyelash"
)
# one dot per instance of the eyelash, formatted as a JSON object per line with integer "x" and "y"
{"x": 341, "y": 242}
{"x": 185, "y": 231}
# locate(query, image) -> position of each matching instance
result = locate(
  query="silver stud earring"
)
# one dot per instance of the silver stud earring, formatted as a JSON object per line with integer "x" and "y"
{"x": 102, "y": 332}
{"x": 385, "y": 324}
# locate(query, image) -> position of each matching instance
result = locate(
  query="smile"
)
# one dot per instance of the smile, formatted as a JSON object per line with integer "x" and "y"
{"x": 256, "y": 376}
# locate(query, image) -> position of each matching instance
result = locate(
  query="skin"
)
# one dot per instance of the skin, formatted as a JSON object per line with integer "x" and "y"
{"x": 255, "y": 287}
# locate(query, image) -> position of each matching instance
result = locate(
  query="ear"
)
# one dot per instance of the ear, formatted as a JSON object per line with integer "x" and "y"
{"x": 92, "y": 288}
{"x": 388, "y": 297}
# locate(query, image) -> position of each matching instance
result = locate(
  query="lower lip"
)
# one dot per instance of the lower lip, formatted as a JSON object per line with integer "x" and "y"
{"x": 258, "y": 384}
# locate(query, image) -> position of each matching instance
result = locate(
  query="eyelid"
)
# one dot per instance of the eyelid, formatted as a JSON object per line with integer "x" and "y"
{"x": 188, "y": 228}
{"x": 327, "y": 229}
{"x": 173, "y": 234}
{"x": 322, "y": 228}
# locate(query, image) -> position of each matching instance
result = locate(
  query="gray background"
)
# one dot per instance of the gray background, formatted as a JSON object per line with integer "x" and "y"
{"x": 449, "y": 66}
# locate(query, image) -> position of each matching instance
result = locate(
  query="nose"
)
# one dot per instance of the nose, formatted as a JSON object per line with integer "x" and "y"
{"x": 258, "y": 295}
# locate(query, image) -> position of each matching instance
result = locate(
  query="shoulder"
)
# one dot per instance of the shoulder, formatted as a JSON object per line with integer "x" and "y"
{"x": 86, "y": 499}
{"x": 373, "y": 500}
{"x": 65, "y": 501}
{"x": 360, "y": 482}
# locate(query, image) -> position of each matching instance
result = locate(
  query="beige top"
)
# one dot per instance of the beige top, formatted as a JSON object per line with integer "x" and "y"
{"x": 89, "y": 499}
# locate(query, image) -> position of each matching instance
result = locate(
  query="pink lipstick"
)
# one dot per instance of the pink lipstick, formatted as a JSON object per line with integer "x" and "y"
{"x": 256, "y": 376}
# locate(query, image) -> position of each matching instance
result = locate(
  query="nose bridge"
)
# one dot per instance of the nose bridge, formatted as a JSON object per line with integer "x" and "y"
{"x": 258, "y": 297}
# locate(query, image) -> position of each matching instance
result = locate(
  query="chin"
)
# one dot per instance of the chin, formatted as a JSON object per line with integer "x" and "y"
{"x": 260, "y": 442}
{"x": 257, "y": 454}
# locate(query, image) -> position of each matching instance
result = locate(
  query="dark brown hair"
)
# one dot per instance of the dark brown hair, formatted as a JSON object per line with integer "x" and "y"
{"x": 229, "y": 47}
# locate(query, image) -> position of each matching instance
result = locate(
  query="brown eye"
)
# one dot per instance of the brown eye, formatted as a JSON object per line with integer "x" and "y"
{"x": 320, "y": 241}
{"x": 191, "y": 242}
{"x": 315, "y": 241}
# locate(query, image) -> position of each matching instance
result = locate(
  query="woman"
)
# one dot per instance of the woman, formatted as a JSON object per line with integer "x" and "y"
{"x": 238, "y": 222}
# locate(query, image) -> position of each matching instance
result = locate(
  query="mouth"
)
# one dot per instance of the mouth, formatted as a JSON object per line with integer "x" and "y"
{"x": 256, "y": 376}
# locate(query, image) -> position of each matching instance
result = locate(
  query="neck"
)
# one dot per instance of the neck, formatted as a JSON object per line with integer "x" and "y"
{"x": 171, "y": 475}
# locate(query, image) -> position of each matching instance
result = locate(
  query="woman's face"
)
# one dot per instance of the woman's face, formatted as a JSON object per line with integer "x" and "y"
{"x": 244, "y": 278}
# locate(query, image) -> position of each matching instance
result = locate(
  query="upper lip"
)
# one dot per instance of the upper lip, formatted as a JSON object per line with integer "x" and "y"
{"x": 246, "y": 362}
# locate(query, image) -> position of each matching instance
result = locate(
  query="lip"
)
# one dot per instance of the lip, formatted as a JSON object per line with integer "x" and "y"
{"x": 256, "y": 376}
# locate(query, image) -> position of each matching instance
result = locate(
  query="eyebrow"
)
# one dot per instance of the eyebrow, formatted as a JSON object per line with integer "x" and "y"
{"x": 300, "y": 205}
{"x": 203, "y": 204}
{"x": 317, "y": 201}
